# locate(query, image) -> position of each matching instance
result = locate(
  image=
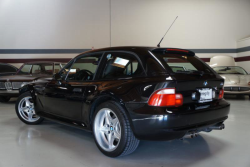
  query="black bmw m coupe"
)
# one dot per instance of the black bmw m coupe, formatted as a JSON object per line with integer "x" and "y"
{"x": 127, "y": 94}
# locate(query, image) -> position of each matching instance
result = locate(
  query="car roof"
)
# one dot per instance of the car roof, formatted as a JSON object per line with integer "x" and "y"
{"x": 135, "y": 49}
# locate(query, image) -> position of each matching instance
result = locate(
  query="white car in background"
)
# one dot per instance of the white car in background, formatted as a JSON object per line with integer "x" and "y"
{"x": 237, "y": 80}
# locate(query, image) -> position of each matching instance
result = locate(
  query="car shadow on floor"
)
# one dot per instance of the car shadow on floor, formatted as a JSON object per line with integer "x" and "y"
{"x": 81, "y": 144}
{"x": 236, "y": 97}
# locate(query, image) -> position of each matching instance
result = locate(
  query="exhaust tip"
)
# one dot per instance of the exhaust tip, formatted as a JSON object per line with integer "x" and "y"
{"x": 217, "y": 127}
{"x": 190, "y": 136}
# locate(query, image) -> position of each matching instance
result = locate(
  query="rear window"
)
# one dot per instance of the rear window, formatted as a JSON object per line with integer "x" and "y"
{"x": 178, "y": 63}
{"x": 230, "y": 70}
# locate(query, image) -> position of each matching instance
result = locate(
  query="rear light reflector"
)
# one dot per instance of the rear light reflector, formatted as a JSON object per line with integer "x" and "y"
{"x": 221, "y": 94}
{"x": 166, "y": 98}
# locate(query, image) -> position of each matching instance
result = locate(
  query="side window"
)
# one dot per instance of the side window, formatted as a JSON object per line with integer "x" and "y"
{"x": 121, "y": 65}
{"x": 25, "y": 69}
{"x": 36, "y": 69}
{"x": 65, "y": 70}
{"x": 57, "y": 68}
{"x": 84, "y": 68}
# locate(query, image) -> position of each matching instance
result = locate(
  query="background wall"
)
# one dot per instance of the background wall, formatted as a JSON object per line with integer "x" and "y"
{"x": 209, "y": 27}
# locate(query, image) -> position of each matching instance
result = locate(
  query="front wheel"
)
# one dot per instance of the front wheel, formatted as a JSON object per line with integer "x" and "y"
{"x": 25, "y": 110}
{"x": 4, "y": 98}
{"x": 112, "y": 131}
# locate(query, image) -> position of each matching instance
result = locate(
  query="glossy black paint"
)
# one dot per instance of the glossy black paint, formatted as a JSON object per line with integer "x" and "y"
{"x": 73, "y": 103}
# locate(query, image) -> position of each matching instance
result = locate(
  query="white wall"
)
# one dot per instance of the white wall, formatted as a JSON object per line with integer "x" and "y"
{"x": 54, "y": 24}
{"x": 201, "y": 23}
{"x": 81, "y": 24}
{"x": 240, "y": 44}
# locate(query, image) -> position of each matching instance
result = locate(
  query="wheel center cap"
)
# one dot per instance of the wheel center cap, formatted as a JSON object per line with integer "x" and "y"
{"x": 111, "y": 128}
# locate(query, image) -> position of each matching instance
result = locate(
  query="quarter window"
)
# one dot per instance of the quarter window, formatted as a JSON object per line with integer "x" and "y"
{"x": 121, "y": 65}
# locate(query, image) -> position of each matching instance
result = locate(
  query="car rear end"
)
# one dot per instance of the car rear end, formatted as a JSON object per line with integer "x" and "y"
{"x": 180, "y": 103}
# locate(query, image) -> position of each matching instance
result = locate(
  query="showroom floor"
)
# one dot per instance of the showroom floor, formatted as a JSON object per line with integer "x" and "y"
{"x": 52, "y": 144}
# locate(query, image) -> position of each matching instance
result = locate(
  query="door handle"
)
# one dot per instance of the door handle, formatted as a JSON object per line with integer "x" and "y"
{"x": 78, "y": 90}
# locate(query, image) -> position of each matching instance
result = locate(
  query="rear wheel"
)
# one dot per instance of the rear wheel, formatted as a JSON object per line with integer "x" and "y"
{"x": 4, "y": 98}
{"x": 25, "y": 110}
{"x": 112, "y": 131}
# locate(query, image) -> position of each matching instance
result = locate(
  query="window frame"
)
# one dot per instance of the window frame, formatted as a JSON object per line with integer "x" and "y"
{"x": 103, "y": 63}
{"x": 82, "y": 56}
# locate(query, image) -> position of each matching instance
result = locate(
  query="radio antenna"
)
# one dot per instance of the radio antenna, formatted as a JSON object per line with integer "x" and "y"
{"x": 159, "y": 44}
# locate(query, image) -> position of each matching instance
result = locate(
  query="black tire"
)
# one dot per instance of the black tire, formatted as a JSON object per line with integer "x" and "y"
{"x": 128, "y": 142}
{"x": 4, "y": 99}
{"x": 19, "y": 100}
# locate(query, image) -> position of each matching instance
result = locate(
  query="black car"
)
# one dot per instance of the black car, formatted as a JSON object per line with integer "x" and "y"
{"x": 127, "y": 94}
{"x": 7, "y": 69}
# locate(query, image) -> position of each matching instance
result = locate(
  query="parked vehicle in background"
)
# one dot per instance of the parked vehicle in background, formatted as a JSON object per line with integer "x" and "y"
{"x": 177, "y": 68}
{"x": 29, "y": 72}
{"x": 128, "y": 94}
{"x": 237, "y": 80}
{"x": 7, "y": 69}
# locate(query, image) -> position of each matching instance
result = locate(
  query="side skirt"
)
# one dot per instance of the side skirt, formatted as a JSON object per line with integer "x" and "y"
{"x": 65, "y": 121}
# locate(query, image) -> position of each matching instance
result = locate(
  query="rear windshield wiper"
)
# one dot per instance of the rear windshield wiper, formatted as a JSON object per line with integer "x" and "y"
{"x": 195, "y": 72}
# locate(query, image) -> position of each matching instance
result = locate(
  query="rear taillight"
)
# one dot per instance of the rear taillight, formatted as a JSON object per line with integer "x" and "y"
{"x": 221, "y": 94}
{"x": 166, "y": 98}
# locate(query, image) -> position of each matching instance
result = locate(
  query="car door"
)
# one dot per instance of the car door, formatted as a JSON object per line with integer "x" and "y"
{"x": 64, "y": 96}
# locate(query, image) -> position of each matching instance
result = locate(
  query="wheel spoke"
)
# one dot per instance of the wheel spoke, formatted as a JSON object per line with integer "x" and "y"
{"x": 114, "y": 121}
{"x": 104, "y": 129}
{"x": 27, "y": 102}
{"x": 108, "y": 118}
{"x": 30, "y": 116}
{"x": 25, "y": 109}
{"x": 111, "y": 140}
{"x": 117, "y": 135}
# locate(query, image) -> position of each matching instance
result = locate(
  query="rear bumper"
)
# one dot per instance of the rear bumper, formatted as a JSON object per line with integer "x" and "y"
{"x": 175, "y": 126}
{"x": 10, "y": 93}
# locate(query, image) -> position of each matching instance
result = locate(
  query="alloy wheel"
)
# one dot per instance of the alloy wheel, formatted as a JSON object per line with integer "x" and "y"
{"x": 26, "y": 109}
{"x": 107, "y": 129}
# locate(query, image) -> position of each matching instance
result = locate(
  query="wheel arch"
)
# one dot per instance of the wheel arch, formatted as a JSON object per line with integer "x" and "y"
{"x": 27, "y": 88}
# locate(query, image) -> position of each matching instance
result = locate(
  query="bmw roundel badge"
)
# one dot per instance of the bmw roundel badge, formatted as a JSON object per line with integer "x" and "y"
{"x": 205, "y": 83}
